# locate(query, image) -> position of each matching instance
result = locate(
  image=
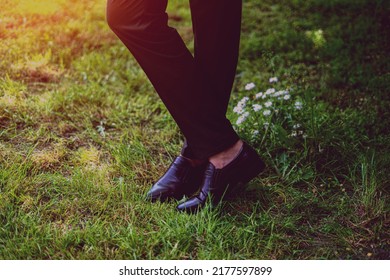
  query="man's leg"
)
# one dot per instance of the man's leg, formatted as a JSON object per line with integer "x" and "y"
{"x": 175, "y": 74}
{"x": 217, "y": 28}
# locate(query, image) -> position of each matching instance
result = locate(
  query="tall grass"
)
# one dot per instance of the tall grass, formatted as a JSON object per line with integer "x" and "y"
{"x": 83, "y": 136}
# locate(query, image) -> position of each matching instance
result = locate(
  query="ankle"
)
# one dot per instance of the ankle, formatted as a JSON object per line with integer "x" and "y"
{"x": 223, "y": 158}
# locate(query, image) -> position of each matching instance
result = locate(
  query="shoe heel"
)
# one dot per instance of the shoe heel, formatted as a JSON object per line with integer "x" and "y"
{"x": 251, "y": 173}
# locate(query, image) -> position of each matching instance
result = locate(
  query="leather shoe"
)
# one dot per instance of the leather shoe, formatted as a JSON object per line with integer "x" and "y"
{"x": 181, "y": 178}
{"x": 220, "y": 183}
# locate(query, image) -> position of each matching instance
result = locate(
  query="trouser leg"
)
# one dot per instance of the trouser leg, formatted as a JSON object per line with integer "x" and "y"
{"x": 173, "y": 71}
{"x": 217, "y": 29}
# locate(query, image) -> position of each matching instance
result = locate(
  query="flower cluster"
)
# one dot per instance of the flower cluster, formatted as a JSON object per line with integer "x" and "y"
{"x": 258, "y": 111}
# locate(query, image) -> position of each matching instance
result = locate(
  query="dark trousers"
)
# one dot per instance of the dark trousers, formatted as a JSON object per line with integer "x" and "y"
{"x": 195, "y": 89}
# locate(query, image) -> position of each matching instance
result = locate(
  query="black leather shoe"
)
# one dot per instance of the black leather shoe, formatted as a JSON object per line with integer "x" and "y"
{"x": 180, "y": 179}
{"x": 220, "y": 183}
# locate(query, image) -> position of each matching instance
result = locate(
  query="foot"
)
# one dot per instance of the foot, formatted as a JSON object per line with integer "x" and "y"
{"x": 221, "y": 182}
{"x": 183, "y": 177}
{"x": 223, "y": 158}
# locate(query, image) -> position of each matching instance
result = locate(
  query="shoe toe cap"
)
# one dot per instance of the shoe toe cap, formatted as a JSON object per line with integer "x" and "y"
{"x": 190, "y": 206}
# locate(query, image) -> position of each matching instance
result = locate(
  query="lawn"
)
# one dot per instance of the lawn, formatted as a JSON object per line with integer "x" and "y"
{"x": 83, "y": 136}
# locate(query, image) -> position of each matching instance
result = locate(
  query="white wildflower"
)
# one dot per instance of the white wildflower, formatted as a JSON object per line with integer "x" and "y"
{"x": 255, "y": 133}
{"x": 278, "y": 93}
{"x": 267, "y": 112}
{"x": 266, "y": 125}
{"x": 286, "y": 97}
{"x": 250, "y": 86}
{"x": 242, "y": 118}
{"x": 294, "y": 133}
{"x": 245, "y": 99}
{"x": 298, "y": 105}
{"x": 257, "y": 107}
{"x": 295, "y": 126}
{"x": 270, "y": 91}
{"x": 258, "y": 95}
{"x": 238, "y": 109}
{"x": 273, "y": 80}
{"x": 268, "y": 104}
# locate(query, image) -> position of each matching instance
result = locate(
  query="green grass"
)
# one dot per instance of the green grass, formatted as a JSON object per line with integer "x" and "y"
{"x": 83, "y": 136}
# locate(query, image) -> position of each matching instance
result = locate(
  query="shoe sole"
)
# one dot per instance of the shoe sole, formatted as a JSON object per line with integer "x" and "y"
{"x": 165, "y": 197}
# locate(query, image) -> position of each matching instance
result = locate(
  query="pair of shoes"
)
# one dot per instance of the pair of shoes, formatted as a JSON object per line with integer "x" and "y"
{"x": 220, "y": 183}
{"x": 181, "y": 179}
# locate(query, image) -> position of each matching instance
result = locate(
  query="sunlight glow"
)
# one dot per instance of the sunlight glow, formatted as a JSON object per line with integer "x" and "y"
{"x": 43, "y": 7}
